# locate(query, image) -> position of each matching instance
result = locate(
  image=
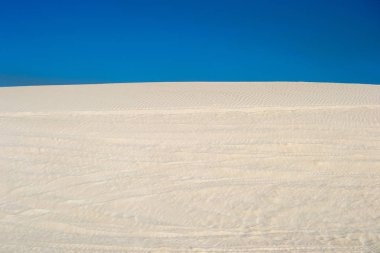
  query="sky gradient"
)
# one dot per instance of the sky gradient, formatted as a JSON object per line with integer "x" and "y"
{"x": 59, "y": 42}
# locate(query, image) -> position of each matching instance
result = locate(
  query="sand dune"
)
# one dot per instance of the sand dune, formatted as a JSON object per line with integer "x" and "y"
{"x": 190, "y": 167}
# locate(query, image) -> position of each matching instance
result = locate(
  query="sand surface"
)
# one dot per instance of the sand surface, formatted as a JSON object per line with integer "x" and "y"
{"x": 190, "y": 167}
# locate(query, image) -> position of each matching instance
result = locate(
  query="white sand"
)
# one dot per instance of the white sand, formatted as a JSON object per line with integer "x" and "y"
{"x": 173, "y": 167}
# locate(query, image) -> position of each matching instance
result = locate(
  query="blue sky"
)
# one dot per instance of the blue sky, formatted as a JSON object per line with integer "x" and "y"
{"x": 74, "y": 41}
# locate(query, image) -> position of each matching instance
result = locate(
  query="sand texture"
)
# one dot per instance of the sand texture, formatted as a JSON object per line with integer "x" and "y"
{"x": 190, "y": 167}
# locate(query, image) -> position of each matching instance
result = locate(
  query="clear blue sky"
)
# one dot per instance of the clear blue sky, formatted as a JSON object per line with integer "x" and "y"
{"x": 97, "y": 41}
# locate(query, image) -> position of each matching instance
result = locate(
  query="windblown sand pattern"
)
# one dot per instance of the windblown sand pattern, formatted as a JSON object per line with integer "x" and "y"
{"x": 190, "y": 167}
